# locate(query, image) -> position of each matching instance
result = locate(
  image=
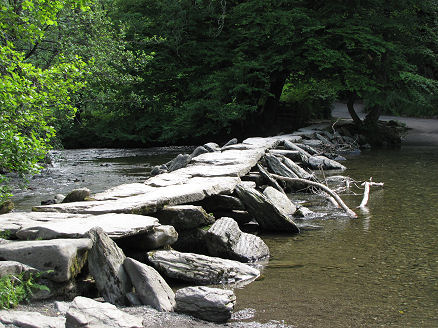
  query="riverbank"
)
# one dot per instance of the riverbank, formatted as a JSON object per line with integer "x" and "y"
{"x": 422, "y": 131}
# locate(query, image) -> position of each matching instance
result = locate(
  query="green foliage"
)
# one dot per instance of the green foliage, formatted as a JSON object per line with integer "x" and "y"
{"x": 5, "y": 234}
{"x": 15, "y": 289}
{"x": 32, "y": 97}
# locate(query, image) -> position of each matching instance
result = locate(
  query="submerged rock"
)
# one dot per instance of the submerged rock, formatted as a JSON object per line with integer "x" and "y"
{"x": 201, "y": 269}
{"x": 211, "y": 304}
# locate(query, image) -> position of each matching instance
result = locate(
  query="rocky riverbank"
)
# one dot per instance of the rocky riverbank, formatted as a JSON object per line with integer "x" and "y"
{"x": 194, "y": 221}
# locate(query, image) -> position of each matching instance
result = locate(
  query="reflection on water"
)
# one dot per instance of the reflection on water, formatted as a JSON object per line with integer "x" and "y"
{"x": 380, "y": 270}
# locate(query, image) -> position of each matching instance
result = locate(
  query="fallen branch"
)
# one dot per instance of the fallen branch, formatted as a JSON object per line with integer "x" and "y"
{"x": 366, "y": 192}
{"x": 321, "y": 186}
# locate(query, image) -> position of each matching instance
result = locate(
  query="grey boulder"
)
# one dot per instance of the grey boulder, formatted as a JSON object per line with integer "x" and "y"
{"x": 201, "y": 269}
{"x": 225, "y": 239}
{"x": 184, "y": 217}
{"x": 85, "y": 312}
{"x": 105, "y": 263}
{"x": 280, "y": 200}
{"x": 269, "y": 216}
{"x": 150, "y": 287}
{"x": 179, "y": 162}
{"x": 160, "y": 236}
{"x": 211, "y": 304}
{"x": 77, "y": 195}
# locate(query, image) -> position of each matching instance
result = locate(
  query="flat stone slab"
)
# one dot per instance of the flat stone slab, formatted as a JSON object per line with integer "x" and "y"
{"x": 30, "y": 319}
{"x": 46, "y": 225}
{"x": 201, "y": 269}
{"x": 124, "y": 190}
{"x": 65, "y": 257}
{"x": 194, "y": 190}
{"x": 249, "y": 157}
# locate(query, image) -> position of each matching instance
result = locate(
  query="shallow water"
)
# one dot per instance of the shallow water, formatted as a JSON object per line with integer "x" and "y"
{"x": 380, "y": 270}
{"x": 96, "y": 169}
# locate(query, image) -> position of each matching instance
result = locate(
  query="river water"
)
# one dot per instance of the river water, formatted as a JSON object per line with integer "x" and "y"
{"x": 379, "y": 270}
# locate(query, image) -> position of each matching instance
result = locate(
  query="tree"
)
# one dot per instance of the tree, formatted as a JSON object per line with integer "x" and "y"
{"x": 30, "y": 96}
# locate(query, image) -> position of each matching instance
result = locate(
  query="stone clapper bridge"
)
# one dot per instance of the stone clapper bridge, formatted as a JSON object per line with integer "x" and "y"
{"x": 198, "y": 203}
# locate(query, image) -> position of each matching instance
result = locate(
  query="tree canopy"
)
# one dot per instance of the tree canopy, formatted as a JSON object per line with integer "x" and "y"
{"x": 140, "y": 72}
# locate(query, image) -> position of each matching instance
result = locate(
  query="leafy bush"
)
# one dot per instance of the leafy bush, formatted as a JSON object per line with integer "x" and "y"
{"x": 15, "y": 289}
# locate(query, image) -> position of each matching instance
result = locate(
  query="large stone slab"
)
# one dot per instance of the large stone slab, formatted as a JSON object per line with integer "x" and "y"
{"x": 85, "y": 312}
{"x": 249, "y": 157}
{"x": 225, "y": 239}
{"x": 124, "y": 190}
{"x": 150, "y": 287}
{"x": 201, "y": 269}
{"x": 65, "y": 257}
{"x": 105, "y": 263}
{"x": 193, "y": 190}
{"x": 211, "y": 304}
{"x": 28, "y": 319}
{"x": 268, "y": 216}
{"x": 77, "y": 225}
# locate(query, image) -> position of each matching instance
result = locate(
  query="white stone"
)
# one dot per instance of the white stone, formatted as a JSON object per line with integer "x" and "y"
{"x": 85, "y": 312}
{"x": 30, "y": 319}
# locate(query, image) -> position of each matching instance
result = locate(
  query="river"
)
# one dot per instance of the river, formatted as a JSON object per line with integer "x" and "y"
{"x": 379, "y": 270}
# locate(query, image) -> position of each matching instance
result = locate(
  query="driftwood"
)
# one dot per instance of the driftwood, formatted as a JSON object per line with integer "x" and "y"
{"x": 324, "y": 188}
{"x": 366, "y": 192}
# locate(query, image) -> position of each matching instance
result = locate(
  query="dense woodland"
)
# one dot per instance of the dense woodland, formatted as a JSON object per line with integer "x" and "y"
{"x": 80, "y": 73}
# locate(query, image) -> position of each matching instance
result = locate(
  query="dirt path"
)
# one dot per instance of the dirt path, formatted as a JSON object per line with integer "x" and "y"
{"x": 423, "y": 132}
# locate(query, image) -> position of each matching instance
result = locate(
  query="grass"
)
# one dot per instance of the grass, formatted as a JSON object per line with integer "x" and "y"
{"x": 15, "y": 289}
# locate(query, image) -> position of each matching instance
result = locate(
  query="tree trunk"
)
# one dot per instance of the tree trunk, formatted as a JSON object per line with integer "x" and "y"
{"x": 373, "y": 115}
{"x": 351, "y": 110}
